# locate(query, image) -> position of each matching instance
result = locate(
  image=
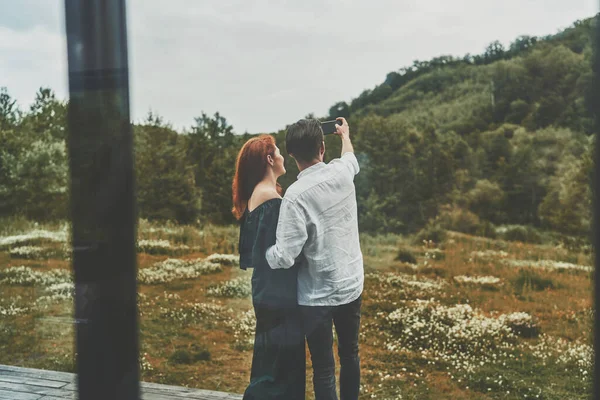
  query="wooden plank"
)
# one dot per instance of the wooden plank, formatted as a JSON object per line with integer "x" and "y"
{"x": 152, "y": 385}
{"x": 180, "y": 392}
{"x": 71, "y": 386}
{"x": 155, "y": 396}
{"x": 52, "y": 398}
{"x": 64, "y": 396}
{"x": 38, "y": 373}
{"x": 32, "y": 381}
{"x": 5, "y": 394}
{"x": 20, "y": 387}
{"x": 54, "y": 385}
{"x": 196, "y": 395}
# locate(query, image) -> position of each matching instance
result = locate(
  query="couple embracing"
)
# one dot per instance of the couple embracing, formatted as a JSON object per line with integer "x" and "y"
{"x": 307, "y": 264}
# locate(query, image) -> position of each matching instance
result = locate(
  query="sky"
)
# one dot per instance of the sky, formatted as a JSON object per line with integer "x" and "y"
{"x": 265, "y": 64}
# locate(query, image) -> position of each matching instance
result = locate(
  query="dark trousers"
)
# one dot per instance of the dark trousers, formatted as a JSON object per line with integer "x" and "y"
{"x": 279, "y": 359}
{"x": 318, "y": 322}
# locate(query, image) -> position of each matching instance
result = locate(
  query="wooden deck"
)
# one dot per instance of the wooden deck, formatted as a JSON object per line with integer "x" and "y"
{"x": 32, "y": 384}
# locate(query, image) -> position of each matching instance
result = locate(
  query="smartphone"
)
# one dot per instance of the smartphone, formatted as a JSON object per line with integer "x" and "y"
{"x": 329, "y": 126}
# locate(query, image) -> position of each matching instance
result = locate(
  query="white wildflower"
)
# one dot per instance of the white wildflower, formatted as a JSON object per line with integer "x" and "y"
{"x": 224, "y": 259}
{"x": 171, "y": 269}
{"x": 238, "y": 287}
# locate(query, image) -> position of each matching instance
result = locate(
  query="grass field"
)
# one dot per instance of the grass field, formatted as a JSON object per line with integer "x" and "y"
{"x": 468, "y": 318}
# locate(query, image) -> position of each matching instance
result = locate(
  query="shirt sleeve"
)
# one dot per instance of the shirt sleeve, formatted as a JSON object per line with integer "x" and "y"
{"x": 348, "y": 160}
{"x": 291, "y": 236}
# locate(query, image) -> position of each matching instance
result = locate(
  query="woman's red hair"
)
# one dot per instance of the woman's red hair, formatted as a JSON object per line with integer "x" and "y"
{"x": 250, "y": 168}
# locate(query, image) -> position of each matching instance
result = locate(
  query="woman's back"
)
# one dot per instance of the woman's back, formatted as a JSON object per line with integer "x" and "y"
{"x": 270, "y": 288}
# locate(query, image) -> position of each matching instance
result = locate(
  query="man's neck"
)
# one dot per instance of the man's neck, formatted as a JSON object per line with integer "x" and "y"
{"x": 304, "y": 165}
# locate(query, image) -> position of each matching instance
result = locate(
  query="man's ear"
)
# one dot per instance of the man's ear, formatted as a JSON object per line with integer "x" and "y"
{"x": 322, "y": 147}
{"x": 270, "y": 160}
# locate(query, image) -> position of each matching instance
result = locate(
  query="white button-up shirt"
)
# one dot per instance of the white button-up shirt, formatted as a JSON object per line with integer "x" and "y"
{"x": 318, "y": 218}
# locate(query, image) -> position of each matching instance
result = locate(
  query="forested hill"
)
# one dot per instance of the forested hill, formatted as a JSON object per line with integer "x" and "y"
{"x": 536, "y": 82}
{"x": 472, "y": 144}
{"x": 502, "y": 137}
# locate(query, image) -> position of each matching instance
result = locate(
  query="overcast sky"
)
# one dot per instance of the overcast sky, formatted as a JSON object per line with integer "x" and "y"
{"x": 264, "y": 64}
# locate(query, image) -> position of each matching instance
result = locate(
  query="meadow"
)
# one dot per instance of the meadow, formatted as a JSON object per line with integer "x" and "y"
{"x": 466, "y": 317}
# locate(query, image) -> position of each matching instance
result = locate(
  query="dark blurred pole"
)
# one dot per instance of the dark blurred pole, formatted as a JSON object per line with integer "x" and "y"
{"x": 103, "y": 211}
{"x": 595, "y": 191}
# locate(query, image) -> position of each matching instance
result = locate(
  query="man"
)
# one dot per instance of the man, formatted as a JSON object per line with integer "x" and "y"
{"x": 318, "y": 219}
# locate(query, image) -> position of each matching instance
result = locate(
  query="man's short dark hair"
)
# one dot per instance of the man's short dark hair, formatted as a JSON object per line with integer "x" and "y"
{"x": 303, "y": 139}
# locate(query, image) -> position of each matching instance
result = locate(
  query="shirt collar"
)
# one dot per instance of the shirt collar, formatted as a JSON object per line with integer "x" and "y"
{"x": 311, "y": 169}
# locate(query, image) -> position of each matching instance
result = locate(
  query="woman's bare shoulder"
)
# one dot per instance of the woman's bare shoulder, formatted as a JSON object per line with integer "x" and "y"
{"x": 260, "y": 196}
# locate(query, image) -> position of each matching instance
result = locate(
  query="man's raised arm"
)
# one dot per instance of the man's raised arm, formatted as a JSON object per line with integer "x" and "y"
{"x": 343, "y": 131}
{"x": 348, "y": 159}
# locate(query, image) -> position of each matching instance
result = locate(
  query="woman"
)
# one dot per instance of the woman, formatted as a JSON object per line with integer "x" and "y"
{"x": 278, "y": 363}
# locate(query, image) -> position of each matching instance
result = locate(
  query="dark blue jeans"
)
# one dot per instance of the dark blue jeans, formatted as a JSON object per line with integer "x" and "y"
{"x": 318, "y": 322}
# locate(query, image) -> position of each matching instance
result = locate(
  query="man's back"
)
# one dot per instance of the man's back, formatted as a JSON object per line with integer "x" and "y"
{"x": 324, "y": 198}
{"x": 318, "y": 220}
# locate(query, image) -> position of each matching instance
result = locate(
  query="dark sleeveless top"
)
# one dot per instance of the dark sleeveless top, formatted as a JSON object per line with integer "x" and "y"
{"x": 270, "y": 287}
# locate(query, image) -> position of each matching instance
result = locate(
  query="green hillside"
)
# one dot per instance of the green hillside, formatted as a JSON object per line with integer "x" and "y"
{"x": 502, "y": 137}
{"x": 536, "y": 82}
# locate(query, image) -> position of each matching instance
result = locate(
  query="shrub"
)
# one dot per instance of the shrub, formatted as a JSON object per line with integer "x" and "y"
{"x": 572, "y": 243}
{"x": 190, "y": 356}
{"x": 406, "y": 256}
{"x": 200, "y": 353}
{"x": 457, "y": 219}
{"x": 431, "y": 232}
{"x": 519, "y": 233}
{"x": 181, "y": 356}
{"x": 435, "y": 254}
{"x": 522, "y": 324}
{"x": 487, "y": 229}
{"x": 528, "y": 279}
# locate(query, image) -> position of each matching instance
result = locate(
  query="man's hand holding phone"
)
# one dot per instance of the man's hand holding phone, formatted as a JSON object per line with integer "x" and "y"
{"x": 343, "y": 131}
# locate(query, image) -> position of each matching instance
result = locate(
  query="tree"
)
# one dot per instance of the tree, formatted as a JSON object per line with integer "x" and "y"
{"x": 510, "y": 83}
{"x": 567, "y": 207}
{"x": 409, "y": 172}
{"x": 498, "y": 152}
{"x": 211, "y": 150}
{"x": 486, "y": 199}
{"x": 494, "y": 52}
{"x": 521, "y": 179}
{"x": 166, "y": 188}
{"x": 522, "y": 43}
{"x": 339, "y": 109}
{"x": 380, "y": 93}
{"x": 47, "y": 116}
{"x": 33, "y": 161}
{"x": 518, "y": 110}
{"x": 35, "y": 180}
{"x": 9, "y": 113}
{"x": 216, "y": 129}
